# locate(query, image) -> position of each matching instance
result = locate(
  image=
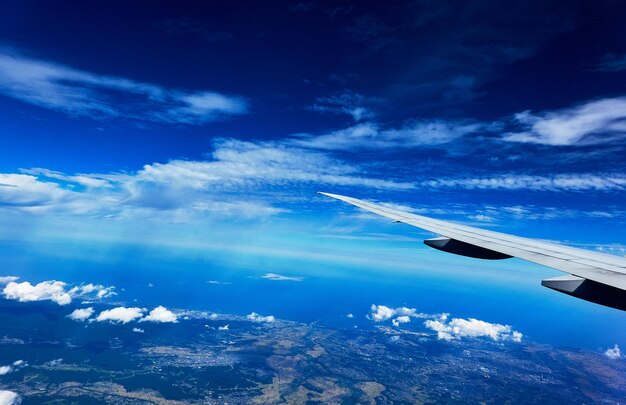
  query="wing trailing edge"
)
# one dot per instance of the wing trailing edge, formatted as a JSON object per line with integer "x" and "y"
{"x": 592, "y": 276}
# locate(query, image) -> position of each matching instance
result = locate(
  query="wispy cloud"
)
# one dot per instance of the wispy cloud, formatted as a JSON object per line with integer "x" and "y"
{"x": 612, "y": 63}
{"x": 350, "y": 103}
{"x": 563, "y": 182}
{"x": 75, "y": 92}
{"x": 593, "y": 122}
{"x": 279, "y": 277}
{"x": 369, "y": 135}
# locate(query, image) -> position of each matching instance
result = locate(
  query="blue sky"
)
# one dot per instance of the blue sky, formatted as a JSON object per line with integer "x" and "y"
{"x": 212, "y": 125}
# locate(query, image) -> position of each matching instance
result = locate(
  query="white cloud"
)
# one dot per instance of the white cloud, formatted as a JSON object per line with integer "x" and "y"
{"x": 46, "y": 290}
{"x": 238, "y": 164}
{"x": 16, "y": 365}
{"x": 81, "y": 179}
{"x": 456, "y": 329}
{"x": 614, "y": 353}
{"x": 7, "y": 279}
{"x": 446, "y": 329}
{"x": 138, "y": 330}
{"x": 76, "y": 92}
{"x": 381, "y": 313}
{"x": 350, "y": 316}
{"x": 569, "y": 182}
{"x": 225, "y": 327}
{"x": 160, "y": 314}
{"x": 54, "y": 291}
{"x": 400, "y": 320}
{"x": 100, "y": 291}
{"x": 593, "y": 122}
{"x": 120, "y": 314}
{"x": 9, "y": 398}
{"x": 81, "y": 314}
{"x": 278, "y": 277}
{"x": 20, "y": 190}
{"x": 369, "y": 135}
{"x": 186, "y": 189}
{"x": 254, "y": 317}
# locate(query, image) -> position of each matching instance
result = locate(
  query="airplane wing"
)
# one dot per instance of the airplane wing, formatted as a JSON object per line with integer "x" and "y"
{"x": 592, "y": 276}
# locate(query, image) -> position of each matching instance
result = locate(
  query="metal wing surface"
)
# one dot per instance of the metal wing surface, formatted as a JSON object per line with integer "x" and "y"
{"x": 593, "y": 276}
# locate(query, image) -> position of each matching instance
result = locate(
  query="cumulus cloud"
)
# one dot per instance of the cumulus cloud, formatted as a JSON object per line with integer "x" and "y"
{"x": 381, "y": 313}
{"x": 160, "y": 314}
{"x": 370, "y": 135}
{"x": 81, "y": 314}
{"x": 120, "y": 315}
{"x": 54, "y": 291}
{"x": 447, "y": 329}
{"x": 254, "y": 317}
{"x": 79, "y": 93}
{"x": 593, "y": 122}
{"x": 614, "y": 353}
{"x": 46, "y": 290}
{"x": 16, "y": 365}
{"x": 350, "y": 316}
{"x": 278, "y": 277}
{"x": 457, "y": 328}
{"x": 138, "y": 330}
{"x": 400, "y": 320}
{"x": 225, "y": 327}
{"x": 9, "y": 398}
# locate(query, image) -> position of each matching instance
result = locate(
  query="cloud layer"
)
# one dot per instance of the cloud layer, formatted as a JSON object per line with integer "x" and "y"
{"x": 232, "y": 180}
